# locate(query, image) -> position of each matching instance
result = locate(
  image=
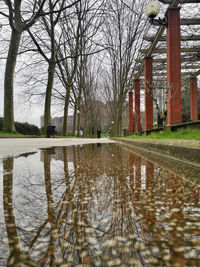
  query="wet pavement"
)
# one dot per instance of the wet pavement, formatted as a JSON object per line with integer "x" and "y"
{"x": 97, "y": 205}
{"x": 14, "y": 146}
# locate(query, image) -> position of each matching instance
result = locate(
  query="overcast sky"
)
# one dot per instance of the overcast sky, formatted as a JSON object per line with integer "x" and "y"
{"x": 22, "y": 113}
{"x": 25, "y": 113}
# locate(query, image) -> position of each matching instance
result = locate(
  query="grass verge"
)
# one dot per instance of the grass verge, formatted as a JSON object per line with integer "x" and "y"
{"x": 13, "y": 134}
{"x": 16, "y": 135}
{"x": 188, "y": 134}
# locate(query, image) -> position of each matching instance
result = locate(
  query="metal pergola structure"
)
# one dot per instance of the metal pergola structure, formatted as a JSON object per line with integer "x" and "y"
{"x": 179, "y": 66}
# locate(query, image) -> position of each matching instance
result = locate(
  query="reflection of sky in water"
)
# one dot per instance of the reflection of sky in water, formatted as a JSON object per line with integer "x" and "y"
{"x": 29, "y": 191}
{"x": 96, "y": 206}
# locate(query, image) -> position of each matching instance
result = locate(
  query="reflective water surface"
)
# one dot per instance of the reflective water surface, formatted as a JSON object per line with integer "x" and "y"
{"x": 97, "y": 205}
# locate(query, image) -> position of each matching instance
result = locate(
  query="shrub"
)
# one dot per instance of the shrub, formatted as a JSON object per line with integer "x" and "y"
{"x": 1, "y": 124}
{"x": 26, "y": 128}
{"x": 23, "y": 128}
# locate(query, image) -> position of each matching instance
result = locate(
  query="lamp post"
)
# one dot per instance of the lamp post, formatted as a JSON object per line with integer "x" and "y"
{"x": 152, "y": 9}
{"x": 112, "y": 126}
{"x": 172, "y": 21}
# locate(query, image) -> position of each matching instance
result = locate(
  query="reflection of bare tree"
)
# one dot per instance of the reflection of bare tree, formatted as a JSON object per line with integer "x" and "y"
{"x": 13, "y": 239}
{"x": 50, "y": 253}
{"x": 16, "y": 256}
{"x": 100, "y": 206}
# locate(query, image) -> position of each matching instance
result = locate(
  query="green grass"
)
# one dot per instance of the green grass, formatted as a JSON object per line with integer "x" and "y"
{"x": 105, "y": 135}
{"x": 14, "y": 134}
{"x": 188, "y": 134}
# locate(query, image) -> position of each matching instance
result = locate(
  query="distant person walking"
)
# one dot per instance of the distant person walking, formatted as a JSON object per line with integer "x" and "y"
{"x": 98, "y": 133}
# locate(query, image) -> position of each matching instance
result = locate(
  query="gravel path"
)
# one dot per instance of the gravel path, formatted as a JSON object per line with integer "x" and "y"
{"x": 15, "y": 146}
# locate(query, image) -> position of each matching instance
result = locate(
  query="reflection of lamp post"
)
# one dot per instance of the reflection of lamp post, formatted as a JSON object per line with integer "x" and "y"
{"x": 152, "y": 9}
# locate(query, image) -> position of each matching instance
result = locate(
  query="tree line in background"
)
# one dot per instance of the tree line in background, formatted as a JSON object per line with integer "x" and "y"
{"x": 70, "y": 54}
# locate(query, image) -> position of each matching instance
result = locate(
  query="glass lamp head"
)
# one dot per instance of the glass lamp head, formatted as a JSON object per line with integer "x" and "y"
{"x": 152, "y": 9}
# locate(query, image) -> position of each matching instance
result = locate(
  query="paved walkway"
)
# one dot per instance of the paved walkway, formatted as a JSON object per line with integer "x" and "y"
{"x": 15, "y": 146}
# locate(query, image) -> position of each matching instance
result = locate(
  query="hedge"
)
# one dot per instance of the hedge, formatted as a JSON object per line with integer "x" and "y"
{"x": 23, "y": 128}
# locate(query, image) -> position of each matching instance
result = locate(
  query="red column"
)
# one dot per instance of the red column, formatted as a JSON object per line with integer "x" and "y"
{"x": 193, "y": 99}
{"x": 174, "y": 114}
{"x": 148, "y": 77}
{"x": 130, "y": 95}
{"x": 137, "y": 105}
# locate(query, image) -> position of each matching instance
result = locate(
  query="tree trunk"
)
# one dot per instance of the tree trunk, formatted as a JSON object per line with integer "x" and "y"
{"x": 119, "y": 130}
{"x": 115, "y": 121}
{"x": 78, "y": 125}
{"x": 8, "y": 125}
{"x": 78, "y": 114}
{"x": 47, "y": 108}
{"x": 85, "y": 127}
{"x": 64, "y": 129}
{"x": 74, "y": 122}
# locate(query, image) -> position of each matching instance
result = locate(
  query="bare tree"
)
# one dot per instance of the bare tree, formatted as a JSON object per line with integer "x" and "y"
{"x": 21, "y": 17}
{"x": 91, "y": 105}
{"x": 68, "y": 56}
{"x": 50, "y": 51}
{"x": 80, "y": 33}
{"x": 124, "y": 25}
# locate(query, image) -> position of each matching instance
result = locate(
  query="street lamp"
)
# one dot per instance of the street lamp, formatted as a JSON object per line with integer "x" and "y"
{"x": 112, "y": 130}
{"x": 152, "y": 9}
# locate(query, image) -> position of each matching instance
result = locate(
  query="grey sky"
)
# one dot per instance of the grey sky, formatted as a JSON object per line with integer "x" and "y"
{"x": 23, "y": 113}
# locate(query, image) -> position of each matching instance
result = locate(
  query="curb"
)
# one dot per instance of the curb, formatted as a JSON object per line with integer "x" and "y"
{"x": 187, "y": 151}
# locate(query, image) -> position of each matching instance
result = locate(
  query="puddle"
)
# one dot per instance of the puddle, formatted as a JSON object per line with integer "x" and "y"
{"x": 96, "y": 205}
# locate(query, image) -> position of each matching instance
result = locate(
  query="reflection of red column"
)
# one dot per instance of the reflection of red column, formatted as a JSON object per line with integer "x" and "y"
{"x": 170, "y": 182}
{"x": 174, "y": 114}
{"x": 137, "y": 105}
{"x": 148, "y": 74}
{"x": 150, "y": 214}
{"x": 176, "y": 208}
{"x": 131, "y": 170}
{"x": 149, "y": 175}
{"x": 193, "y": 99}
{"x": 130, "y": 112}
{"x": 138, "y": 172}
